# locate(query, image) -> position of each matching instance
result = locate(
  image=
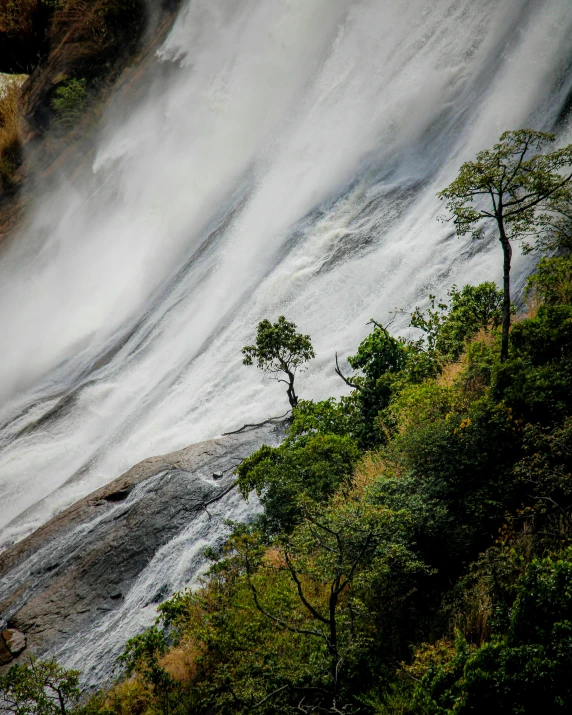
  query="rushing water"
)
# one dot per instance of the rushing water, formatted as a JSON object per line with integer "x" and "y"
{"x": 286, "y": 162}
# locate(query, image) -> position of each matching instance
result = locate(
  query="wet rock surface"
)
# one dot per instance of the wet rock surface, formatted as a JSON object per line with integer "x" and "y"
{"x": 59, "y": 581}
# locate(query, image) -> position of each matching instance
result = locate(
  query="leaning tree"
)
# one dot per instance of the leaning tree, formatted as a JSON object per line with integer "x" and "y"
{"x": 520, "y": 186}
{"x": 280, "y": 351}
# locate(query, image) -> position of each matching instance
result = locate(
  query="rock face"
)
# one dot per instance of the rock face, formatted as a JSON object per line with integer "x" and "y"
{"x": 62, "y": 580}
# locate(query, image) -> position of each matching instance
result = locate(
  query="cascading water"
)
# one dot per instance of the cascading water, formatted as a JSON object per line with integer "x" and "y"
{"x": 286, "y": 163}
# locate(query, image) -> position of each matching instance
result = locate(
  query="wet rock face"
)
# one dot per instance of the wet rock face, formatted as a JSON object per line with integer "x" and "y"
{"x": 61, "y": 580}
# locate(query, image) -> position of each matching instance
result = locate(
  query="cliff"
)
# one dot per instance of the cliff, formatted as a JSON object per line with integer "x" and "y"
{"x": 75, "y": 58}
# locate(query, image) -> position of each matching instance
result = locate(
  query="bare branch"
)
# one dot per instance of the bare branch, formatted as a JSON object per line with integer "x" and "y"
{"x": 281, "y": 622}
{"x": 349, "y": 383}
{"x": 311, "y": 609}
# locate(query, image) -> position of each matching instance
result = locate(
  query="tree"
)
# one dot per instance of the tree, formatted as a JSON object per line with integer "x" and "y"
{"x": 519, "y": 186}
{"x": 448, "y": 326}
{"x": 279, "y": 350}
{"x": 40, "y": 687}
{"x": 380, "y": 357}
{"x": 337, "y": 560}
{"x": 312, "y": 467}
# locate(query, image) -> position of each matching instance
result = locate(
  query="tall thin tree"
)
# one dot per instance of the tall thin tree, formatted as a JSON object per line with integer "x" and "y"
{"x": 518, "y": 185}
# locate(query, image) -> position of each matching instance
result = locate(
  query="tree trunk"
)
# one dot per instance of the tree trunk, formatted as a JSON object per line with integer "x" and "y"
{"x": 292, "y": 398}
{"x": 507, "y": 251}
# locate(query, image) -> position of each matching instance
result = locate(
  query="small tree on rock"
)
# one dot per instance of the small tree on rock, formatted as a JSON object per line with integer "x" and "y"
{"x": 518, "y": 185}
{"x": 280, "y": 351}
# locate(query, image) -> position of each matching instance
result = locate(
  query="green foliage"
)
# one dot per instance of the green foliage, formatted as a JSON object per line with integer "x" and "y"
{"x": 379, "y": 359}
{"x": 448, "y": 326}
{"x": 545, "y": 472}
{"x": 273, "y": 628}
{"x": 537, "y": 381}
{"x": 39, "y": 687}
{"x": 517, "y": 185}
{"x": 279, "y": 351}
{"x": 142, "y": 655}
{"x": 282, "y": 476}
{"x": 523, "y": 671}
{"x": 518, "y": 178}
{"x": 448, "y": 549}
{"x": 551, "y": 284}
{"x": 326, "y": 417}
{"x": 458, "y": 452}
{"x": 278, "y": 347}
{"x": 70, "y": 100}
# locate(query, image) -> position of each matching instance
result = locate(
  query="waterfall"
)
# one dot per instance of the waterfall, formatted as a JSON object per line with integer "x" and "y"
{"x": 285, "y": 160}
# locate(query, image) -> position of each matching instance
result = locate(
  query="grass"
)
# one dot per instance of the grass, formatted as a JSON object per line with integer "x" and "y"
{"x": 10, "y": 131}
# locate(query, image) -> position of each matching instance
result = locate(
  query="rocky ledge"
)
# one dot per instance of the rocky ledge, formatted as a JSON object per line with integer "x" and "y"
{"x": 60, "y": 581}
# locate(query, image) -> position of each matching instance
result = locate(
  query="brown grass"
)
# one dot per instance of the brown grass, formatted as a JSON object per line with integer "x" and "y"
{"x": 181, "y": 662}
{"x": 451, "y": 372}
{"x": 369, "y": 469}
{"x": 17, "y": 17}
{"x": 10, "y": 130}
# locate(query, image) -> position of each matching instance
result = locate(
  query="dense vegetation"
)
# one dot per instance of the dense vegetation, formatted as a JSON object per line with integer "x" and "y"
{"x": 414, "y": 554}
{"x": 413, "y": 560}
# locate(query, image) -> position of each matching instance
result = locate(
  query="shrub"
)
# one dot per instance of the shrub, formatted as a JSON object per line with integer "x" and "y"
{"x": 314, "y": 467}
{"x": 525, "y": 671}
{"x": 536, "y": 382}
{"x": 69, "y": 101}
{"x": 551, "y": 284}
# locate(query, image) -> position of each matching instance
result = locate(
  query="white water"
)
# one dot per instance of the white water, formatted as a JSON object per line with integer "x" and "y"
{"x": 314, "y": 135}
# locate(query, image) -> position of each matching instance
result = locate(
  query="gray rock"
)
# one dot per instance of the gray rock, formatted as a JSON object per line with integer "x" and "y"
{"x": 56, "y": 583}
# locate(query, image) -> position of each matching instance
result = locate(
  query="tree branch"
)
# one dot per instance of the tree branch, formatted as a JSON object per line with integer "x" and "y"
{"x": 349, "y": 383}
{"x": 311, "y": 609}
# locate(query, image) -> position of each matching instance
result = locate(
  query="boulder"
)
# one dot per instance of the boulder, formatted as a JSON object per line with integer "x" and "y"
{"x": 15, "y": 641}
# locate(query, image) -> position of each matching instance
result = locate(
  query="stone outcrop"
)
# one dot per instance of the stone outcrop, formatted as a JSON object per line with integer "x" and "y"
{"x": 12, "y": 643}
{"x": 57, "y": 582}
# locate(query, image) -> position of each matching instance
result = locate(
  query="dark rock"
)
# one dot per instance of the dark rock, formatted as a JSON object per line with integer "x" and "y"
{"x": 121, "y": 495}
{"x": 5, "y": 655}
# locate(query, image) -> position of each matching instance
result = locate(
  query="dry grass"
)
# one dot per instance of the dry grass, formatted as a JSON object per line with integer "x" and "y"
{"x": 10, "y": 130}
{"x": 130, "y": 697}
{"x": 17, "y": 17}
{"x": 451, "y": 372}
{"x": 181, "y": 662}
{"x": 368, "y": 471}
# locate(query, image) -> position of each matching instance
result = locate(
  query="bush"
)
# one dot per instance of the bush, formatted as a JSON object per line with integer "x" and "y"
{"x": 281, "y": 476}
{"x": 69, "y": 101}
{"x": 536, "y": 382}
{"x": 525, "y": 671}
{"x": 551, "y": 284}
